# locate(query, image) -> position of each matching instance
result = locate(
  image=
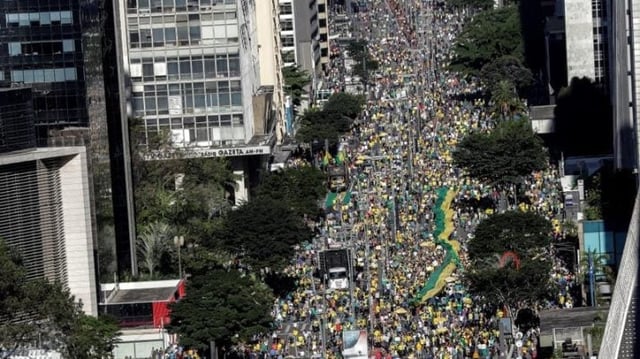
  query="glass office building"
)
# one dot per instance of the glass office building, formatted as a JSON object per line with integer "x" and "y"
{"x": 184, "y": 62}
{"x": 42, "y": 48}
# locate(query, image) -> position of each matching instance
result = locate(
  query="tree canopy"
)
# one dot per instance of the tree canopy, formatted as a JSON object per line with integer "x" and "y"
{"x": 509, "y": 68}
{"x": 295, "y": 82}
{"x": 503, "y": 155}
{"x": 262, "y": 233}
{"x": 36, "y": 310}
{"x": 318, "y": 125}
{"x": 300, "y": 188}
{"x": 491, "y": 35}
{"x": 518, "y": 279}
{"x": 219, "y": 305}
{"x": 185, "y": 195}
{"x": 364, "y": 62}
{"x": 344, "y": 104}
{"x": 505, "y": 100}
{"x": 335, "y": 119}
{"x": 509, "y": 231}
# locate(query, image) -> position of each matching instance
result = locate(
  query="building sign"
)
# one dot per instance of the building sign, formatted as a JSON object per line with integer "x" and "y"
{"x": 207, "y": 153}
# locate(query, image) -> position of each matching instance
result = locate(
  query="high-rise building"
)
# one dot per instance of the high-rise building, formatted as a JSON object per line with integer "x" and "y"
{"x": 56, "y": 47}
{"x": 586, "y": 39}
{"x": 621, "y": 336}
{"x": 323, "y": 30}
{"x": 300, "y": 34}
{"x": 191, "y": 69}
{"x": 16, "y": 120}
{"x": 45, "y": 202}
{"x": 42, "y": 48}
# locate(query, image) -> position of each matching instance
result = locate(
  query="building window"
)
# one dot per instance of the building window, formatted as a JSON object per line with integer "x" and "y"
{"x": 287, "y": 41}
{"x": 15, "y": 48}
{"x": 322, "y": 8}
{"x": 43, "y": 75}
{"x": 286, "y": 9}
{"x": 39, "y": 18}
{"x": 286, "y": 25}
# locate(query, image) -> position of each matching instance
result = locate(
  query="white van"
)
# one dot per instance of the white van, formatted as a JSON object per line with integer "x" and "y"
{"x": 338, "y": 278}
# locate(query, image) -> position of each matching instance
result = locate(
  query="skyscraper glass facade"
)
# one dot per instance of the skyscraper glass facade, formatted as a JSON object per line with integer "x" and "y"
{"x": 40, "y": 46}
{"x": 185, "y": 70}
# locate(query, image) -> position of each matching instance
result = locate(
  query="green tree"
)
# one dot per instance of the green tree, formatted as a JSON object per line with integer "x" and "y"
{"x": 357, "y": 49}
{"x": 503, "y": 155}
{"x": 92, "y": 338}
{"x": 510, "y": 231}
{"x": 333, "y": 121}
{"x": 262, "y": 233}
{"x": 344, "y": 104}
{"x": 300, "y": 188}
{"x": 155, "y": 241}
{"x": 364, "y": 63}
{"x": 509, "y": 68}
{"x": 518, "y": 283}
{"x": 39, "y": 311}
{"x": 491, "y": 35}
{"x": 189, "y": 194}
{"x": 505, "y": 100}
{"x": 296, "y": 81}
{"x": 222, "y": 306}
{"x": 320, "y": 125}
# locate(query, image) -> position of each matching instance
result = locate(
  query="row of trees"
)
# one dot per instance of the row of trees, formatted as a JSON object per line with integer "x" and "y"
{"x": 491, "y": 48}
{"x": 509, "y": 264}
{"x": 335, "y": 118}
{"x": 236, "y": 271}
{"x": 43, "y": 313}
{"x": 237, "y": 268}
{"x": 502, "y": 158}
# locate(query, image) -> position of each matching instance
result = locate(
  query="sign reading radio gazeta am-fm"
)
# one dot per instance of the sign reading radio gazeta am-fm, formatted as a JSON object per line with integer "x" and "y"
{"x": 208, "y": 153}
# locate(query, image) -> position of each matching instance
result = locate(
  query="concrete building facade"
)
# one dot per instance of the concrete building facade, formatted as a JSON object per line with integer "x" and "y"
{"x": 191, "y": 70}
{"x": 579, "y": 24}
{"x": 300, "y": 34}
{"x": 45, "y": 201}
{"x": 323, "y": 30}
{"x": 270, "y": 58}
{"x": 56, "y": 48}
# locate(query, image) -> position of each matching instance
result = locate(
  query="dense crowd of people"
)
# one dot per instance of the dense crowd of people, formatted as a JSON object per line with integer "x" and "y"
{"x": 400, "y": 153}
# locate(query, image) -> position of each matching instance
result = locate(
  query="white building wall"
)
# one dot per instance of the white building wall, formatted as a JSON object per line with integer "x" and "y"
{"x": 267, "y": 18}
{"x": 76, "y": 208}
{"x": 579, "y": 39}
{"x": 70, "y": 208}
{"x": 249, "y": 62}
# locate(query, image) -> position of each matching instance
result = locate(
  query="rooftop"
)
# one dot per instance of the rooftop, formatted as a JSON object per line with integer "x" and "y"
{"x": 570, "y": 318}
{"x": 148, "y": 295}
{"x": 139, "y": 292}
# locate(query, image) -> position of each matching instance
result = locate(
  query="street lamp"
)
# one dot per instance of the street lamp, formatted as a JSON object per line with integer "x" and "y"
{"x": 179, "y": 242}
